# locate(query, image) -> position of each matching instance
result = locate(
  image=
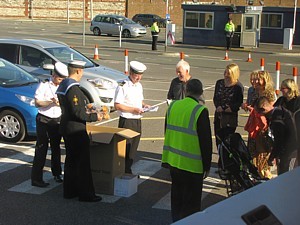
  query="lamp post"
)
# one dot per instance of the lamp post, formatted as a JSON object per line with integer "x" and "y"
{"x": 166, "y": 34}
{"x": 68, "y": 11}
{"x": 92, "y": 9}
{"x": 83, "y": 32}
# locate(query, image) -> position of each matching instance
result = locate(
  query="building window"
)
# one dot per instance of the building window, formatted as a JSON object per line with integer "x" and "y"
{"x": 271, "y": 20}
{"x": 199, "y": 20}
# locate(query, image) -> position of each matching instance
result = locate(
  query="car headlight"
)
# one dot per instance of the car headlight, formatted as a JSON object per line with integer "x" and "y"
{"x": 135, "y": 29}
{"x": 27, "y": 100}
{"x": 102, "y": 83}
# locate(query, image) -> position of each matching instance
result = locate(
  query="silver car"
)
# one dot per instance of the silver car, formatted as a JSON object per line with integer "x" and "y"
{"x": 111, "y": 24}
{"x": 98, "y": 82}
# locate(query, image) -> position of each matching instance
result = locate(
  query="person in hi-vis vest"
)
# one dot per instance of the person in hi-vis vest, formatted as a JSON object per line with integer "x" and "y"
{"x": 187, "y": 150}
{"x": 154, "y": 32}
{"x": 229, "y": 31}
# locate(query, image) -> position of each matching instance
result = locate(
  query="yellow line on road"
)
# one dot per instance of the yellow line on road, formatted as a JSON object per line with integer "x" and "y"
{"x": 162, "y": 117}
{"x": 244, "y": 136}
{"x": 154, "y": 118}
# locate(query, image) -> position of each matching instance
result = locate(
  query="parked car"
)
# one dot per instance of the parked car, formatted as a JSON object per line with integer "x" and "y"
{"x": 98, "y": 82}
{"x": 147, "y": 20}
{"x": 110, "y": 25}
{"x": 17, "y": 109}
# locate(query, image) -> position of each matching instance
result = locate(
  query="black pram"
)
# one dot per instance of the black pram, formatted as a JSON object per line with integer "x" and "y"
{"x": 237, "y": 169}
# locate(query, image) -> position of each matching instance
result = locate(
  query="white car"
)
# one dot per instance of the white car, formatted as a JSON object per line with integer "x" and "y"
{"x": 98, "y": 82}
{"x": 111, "y": 24}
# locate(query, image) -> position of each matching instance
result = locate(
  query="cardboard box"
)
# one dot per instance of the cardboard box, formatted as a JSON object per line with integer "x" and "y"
{"x": 125, "y": 185}
{"x": 107, "y": 153}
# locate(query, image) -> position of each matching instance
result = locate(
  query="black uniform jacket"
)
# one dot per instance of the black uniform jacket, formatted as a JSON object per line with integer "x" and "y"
{"x": 73, "y": 105}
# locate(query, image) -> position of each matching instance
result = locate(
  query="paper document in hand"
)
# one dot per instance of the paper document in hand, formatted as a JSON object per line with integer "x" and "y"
{"x": 151, "y": 109}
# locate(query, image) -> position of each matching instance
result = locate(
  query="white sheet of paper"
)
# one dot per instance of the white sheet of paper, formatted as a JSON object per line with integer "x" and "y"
{"x": 151, "y": 109}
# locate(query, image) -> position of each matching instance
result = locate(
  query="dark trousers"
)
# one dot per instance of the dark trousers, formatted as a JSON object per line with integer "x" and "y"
{"x": 228, "y": 42}
{"x": 78, "y": 179}
{"x": 154, "y": 42}
{"x": 186, "y": 193}
{"x": 46, "y": 133}
{"x": 133, "y": 143}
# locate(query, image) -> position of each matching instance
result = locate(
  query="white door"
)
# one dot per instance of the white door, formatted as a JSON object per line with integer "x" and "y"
{"x": 250, "y": 30}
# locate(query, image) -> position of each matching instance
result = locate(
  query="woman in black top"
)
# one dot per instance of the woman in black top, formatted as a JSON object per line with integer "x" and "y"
{"x": 290, "y": 100}
{"x": 228, "y": 97}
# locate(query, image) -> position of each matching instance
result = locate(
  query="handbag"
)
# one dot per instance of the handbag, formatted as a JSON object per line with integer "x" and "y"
{"x": 228, "y": 120}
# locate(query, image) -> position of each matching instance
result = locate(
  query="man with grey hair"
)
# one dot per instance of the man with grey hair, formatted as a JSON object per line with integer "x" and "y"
{"x": 187, "y": 150}
{"x": 177, "y": 88}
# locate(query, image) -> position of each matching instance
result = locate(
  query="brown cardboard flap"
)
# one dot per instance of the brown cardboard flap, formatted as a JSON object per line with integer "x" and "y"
{"x": 101, "y": 137}
{"x": 126, "y": 133}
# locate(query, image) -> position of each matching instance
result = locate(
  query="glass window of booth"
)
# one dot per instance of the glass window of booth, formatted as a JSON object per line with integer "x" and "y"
{"x": 199, "y": 20}
{"x": 272, "y": 20}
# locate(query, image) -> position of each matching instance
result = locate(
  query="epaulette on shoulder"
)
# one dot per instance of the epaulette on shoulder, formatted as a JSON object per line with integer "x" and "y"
{"x": 46, "y": 80}
{"x": 121, "y": 83}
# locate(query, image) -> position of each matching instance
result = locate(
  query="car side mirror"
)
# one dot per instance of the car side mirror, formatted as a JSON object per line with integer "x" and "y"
{"x": 48, "y": 67}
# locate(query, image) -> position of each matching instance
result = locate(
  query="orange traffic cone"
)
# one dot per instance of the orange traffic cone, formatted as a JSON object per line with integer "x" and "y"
{"x": 96, "y": 55}
{"x": 249, "y": 57}
{"x": 226, "y": 55}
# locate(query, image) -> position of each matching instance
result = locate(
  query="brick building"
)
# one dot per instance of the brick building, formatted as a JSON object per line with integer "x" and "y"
{"x": 57, "y": 9}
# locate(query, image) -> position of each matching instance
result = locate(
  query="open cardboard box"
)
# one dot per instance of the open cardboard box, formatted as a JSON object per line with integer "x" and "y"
{"x": 107, "y": 153}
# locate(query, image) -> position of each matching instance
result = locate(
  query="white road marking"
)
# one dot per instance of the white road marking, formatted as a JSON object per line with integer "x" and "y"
{"x": 144, "y": 168}
{"x": 16, "y": 160}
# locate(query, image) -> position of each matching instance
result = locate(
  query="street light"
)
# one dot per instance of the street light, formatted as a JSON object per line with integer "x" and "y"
{"x": 166, "y": 35}
{"x": 68, "y": 11}
{"x": 83, "y": 32}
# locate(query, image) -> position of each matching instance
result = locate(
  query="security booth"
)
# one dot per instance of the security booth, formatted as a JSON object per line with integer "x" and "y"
{"x": 250, "y": 26}
{"x": 204, "y": 24}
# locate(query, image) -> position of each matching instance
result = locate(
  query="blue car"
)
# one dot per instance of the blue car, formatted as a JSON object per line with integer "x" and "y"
{"x": 17, "y": 109}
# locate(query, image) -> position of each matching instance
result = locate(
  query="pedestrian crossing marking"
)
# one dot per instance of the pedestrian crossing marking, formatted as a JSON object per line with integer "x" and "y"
{"x": 145, "y": 169}
{"x": 16, "y": 160}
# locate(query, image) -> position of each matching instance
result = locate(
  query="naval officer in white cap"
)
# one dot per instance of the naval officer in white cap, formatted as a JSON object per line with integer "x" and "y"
{"x": 78, "y": 181}
{"x": 129, "y": 102}
{"x": 47, "y": 127}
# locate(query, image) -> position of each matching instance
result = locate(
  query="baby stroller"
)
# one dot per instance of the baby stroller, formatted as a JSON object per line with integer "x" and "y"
{"x": 237, "y": 169}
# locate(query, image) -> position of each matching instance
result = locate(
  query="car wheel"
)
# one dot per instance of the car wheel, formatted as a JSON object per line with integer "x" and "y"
{"x": 126, "y": 33}
{"x": 97, "y": 31}
{"x": 12, "y": 126}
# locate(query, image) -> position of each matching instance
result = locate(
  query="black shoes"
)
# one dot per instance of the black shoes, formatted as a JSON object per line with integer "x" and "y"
{"x": 40, "y": 184}
{"x": 43, "y": 184}
{"x": 58, "y": 179}
{"x": 90, "y": 199}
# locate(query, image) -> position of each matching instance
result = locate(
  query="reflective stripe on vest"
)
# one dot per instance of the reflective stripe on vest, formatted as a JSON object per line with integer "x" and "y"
{"x": 188, "y": 130}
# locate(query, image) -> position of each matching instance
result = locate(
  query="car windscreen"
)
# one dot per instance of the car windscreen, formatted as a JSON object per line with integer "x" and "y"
{"x": 66, "y": 54}
{"x": 125, "y": 20}
{"x": 11, "y": 75}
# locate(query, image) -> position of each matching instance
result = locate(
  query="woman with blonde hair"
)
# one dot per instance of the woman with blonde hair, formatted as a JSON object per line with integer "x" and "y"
{"x": 290, "y": 100}
{"x": 228, "y": 97}
{"x": 258, "y": 144}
